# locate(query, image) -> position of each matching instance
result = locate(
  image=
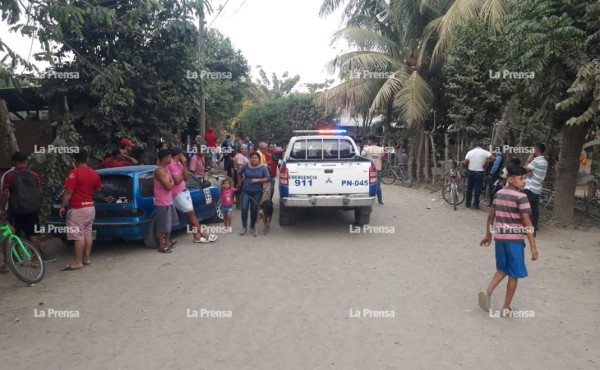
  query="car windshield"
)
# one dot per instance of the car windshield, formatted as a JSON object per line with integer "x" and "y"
{"x": 115, "y": 189}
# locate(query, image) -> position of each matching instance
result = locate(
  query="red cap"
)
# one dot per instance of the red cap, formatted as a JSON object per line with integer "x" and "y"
{"x": 126, "y": 142}
{"x": 211, "y": 129}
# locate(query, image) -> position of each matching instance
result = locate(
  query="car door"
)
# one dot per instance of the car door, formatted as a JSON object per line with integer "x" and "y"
{"x": 204, "y": 203}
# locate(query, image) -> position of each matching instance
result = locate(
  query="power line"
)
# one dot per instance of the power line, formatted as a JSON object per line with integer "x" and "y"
{"x": 219, "y": 13}
{"x": 234, "y": 13}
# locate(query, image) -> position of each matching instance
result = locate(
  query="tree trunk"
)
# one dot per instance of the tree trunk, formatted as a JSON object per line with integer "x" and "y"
{"x": 433, "y": 158}
{"x": 426, "y": 156}
{"x": 419, "y": 135}
{"x": 7, "y": 130}
{"x": 573, "y": 138}
{"x": 446, "y": 143}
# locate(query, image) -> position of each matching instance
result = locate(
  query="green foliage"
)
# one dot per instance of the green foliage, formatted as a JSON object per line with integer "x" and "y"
{"x": 545, "y": 37}
{"x": 585, "y": 91}
{"x": 476, "y": 99}
{"x": 275, "y": 120}
{"x": 54, "y": 167}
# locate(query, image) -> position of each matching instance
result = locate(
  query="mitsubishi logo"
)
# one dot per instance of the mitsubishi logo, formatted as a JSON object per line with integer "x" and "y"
{"x": 328, "y": 180}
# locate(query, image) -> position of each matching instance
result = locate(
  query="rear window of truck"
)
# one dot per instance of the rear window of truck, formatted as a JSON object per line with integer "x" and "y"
{"x": 322, "y": 149}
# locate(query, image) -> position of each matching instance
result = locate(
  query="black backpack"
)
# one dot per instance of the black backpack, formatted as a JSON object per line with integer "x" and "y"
{"x": 25, "y": 196}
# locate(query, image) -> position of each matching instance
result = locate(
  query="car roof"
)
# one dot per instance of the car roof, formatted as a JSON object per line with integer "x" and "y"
{"x": 322, "y": 137}
{"x": 128, "y": 170}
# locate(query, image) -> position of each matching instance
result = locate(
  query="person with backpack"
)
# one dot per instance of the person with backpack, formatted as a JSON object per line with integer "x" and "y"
{"x": 22, "y": 189}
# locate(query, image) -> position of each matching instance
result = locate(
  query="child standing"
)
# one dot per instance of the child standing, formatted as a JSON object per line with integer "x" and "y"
{"x": 227, "y": 203}
{"x": 511, "y": 212}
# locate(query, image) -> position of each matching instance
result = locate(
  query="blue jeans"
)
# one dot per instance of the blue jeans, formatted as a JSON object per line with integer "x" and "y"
{"x": 248, "y": 204}
{"x": 379, "y": 187}
{"x": 474, "y": 182}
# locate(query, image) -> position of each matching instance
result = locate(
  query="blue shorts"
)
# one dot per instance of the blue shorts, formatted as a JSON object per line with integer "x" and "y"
{"x": 226, "y": 209}
{"x": 510, "y": 258}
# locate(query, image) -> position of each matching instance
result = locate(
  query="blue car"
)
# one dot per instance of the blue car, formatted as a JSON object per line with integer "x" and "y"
{"x": 125, "y": 205}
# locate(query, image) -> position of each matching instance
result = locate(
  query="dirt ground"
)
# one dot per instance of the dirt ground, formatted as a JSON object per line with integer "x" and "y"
{"x": 290, "y": 299}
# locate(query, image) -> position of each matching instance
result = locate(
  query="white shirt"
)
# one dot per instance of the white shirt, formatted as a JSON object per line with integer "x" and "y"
{"x": 374, "y": 153}
{"x": 477, "y": 158}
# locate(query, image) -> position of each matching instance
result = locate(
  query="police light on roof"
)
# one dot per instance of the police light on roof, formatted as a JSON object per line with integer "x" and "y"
{"x": 321, "y": 132}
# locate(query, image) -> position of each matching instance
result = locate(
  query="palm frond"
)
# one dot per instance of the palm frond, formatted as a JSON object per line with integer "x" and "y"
{"x": 415, "y": 100}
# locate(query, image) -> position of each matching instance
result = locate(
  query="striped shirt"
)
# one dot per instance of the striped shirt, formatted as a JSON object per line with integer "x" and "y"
{"x": 509, "y": 205}
{"x": 538, "y": 168}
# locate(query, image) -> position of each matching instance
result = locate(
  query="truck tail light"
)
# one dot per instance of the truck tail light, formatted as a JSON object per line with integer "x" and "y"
{"x": 283, "y": 176}
{"x": 372, "y": 174}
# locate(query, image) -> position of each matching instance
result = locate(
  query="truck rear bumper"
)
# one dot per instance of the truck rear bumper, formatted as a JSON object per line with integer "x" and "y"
{"x": 328, "y": 201}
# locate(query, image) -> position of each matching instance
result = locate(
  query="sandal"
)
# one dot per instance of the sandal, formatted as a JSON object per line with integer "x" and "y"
{"x": 173, "y": 242}
{"x": 165, "y": 250}
{"x": 202, "y": 240}
{"x": 212, "y": 238}
{"x": 69, "y": 268}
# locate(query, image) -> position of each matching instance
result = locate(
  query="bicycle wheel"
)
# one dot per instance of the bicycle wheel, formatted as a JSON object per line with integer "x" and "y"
{"x": 454, "y": 195}
{"x": 405, "y": 179}
{"x": 447, "y": 193}
{"x": 593, "y": 208}
{"x": 388, "y": 176}
{"x": 25, "y": 262}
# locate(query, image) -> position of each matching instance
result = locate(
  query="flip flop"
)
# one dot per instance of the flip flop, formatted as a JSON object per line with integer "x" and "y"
{"x": 165, "y": 250}
{"x": 173, "y": 242}
{"x": 69, "y": 268}
{"x": 213, "y": 238}
{"x": 202, "y": 240}
{"x": 484, "y": 300}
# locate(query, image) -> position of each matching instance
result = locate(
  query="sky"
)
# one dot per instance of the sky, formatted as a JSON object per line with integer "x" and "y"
{"x": 279, "y": 35}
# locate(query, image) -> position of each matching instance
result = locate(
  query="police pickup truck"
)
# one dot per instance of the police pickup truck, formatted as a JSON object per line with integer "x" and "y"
{"x": 325, "y": 169}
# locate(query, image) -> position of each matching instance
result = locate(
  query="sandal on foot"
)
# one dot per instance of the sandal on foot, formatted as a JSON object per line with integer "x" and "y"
{"x": 69, "y": 268}
{"x": 484, "y": 300}
{"x": 173, "y": 242}
{"x": 212, "y": 238}
{"x": 202, "y": 240}
{"x": 165, "y": 250}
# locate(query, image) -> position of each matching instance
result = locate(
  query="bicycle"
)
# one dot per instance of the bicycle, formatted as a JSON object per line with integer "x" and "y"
{"x": 21, "y": 257}
{"x": 453, "y": 193}
{"x": 392, "y": 173}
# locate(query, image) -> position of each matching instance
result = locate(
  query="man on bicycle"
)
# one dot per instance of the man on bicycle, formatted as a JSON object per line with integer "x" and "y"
{"x": 22, "y": 189}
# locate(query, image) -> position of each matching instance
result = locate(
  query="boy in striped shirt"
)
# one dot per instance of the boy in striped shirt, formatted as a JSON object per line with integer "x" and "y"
{"x": 511, "y": 212}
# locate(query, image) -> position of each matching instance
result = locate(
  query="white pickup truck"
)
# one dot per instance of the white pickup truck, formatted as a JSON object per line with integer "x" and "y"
{"x": 325, "y": 170}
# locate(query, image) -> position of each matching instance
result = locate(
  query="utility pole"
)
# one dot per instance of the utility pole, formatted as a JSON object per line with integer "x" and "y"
{"x": 201, "y": 47}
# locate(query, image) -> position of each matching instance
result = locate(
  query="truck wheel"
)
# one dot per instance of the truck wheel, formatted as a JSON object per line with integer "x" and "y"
{"x": 361, "y": 217}
{"x": 151, "y": 240}
{"x": 286, "y": 215}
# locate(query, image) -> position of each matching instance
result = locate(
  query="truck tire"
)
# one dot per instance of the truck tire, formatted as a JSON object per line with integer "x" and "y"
{"x": 362, "y": 216}
{"x": 286, "y": 215}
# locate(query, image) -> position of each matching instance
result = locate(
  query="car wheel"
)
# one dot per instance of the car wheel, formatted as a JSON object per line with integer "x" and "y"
{"x": 286, "y": 215}
{"x": 218, "y": 215}
{"x": 151, "y": 240}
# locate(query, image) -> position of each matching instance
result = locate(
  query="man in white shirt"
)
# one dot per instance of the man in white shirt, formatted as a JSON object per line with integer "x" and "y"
{"x": 374, "y": 152}
{"x": 536, "y": 167}
{"x": 476, "y": 160}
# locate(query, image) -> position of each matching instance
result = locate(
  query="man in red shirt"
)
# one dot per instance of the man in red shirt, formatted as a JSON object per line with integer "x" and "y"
{"x": 211, "y": 143}
{"x": 81, "y": 183}
{"x": 115, "y": 160}
{"x": 22, "y": 190}
{"x": 126, "y": 148}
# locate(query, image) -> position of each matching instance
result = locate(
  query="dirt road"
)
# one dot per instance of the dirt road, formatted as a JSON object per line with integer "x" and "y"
{"x": 290, "y": 300}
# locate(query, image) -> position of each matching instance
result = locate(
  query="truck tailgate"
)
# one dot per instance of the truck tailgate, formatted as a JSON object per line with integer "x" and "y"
{"x": 343, "y": 177}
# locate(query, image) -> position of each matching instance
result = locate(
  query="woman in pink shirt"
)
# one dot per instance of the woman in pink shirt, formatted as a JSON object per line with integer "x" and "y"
{"x": 166, "y": 214}
{"x": 197, "y": 164}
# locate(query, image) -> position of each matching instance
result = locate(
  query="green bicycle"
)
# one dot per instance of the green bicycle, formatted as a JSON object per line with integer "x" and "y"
{"x": 20, "y": 256}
